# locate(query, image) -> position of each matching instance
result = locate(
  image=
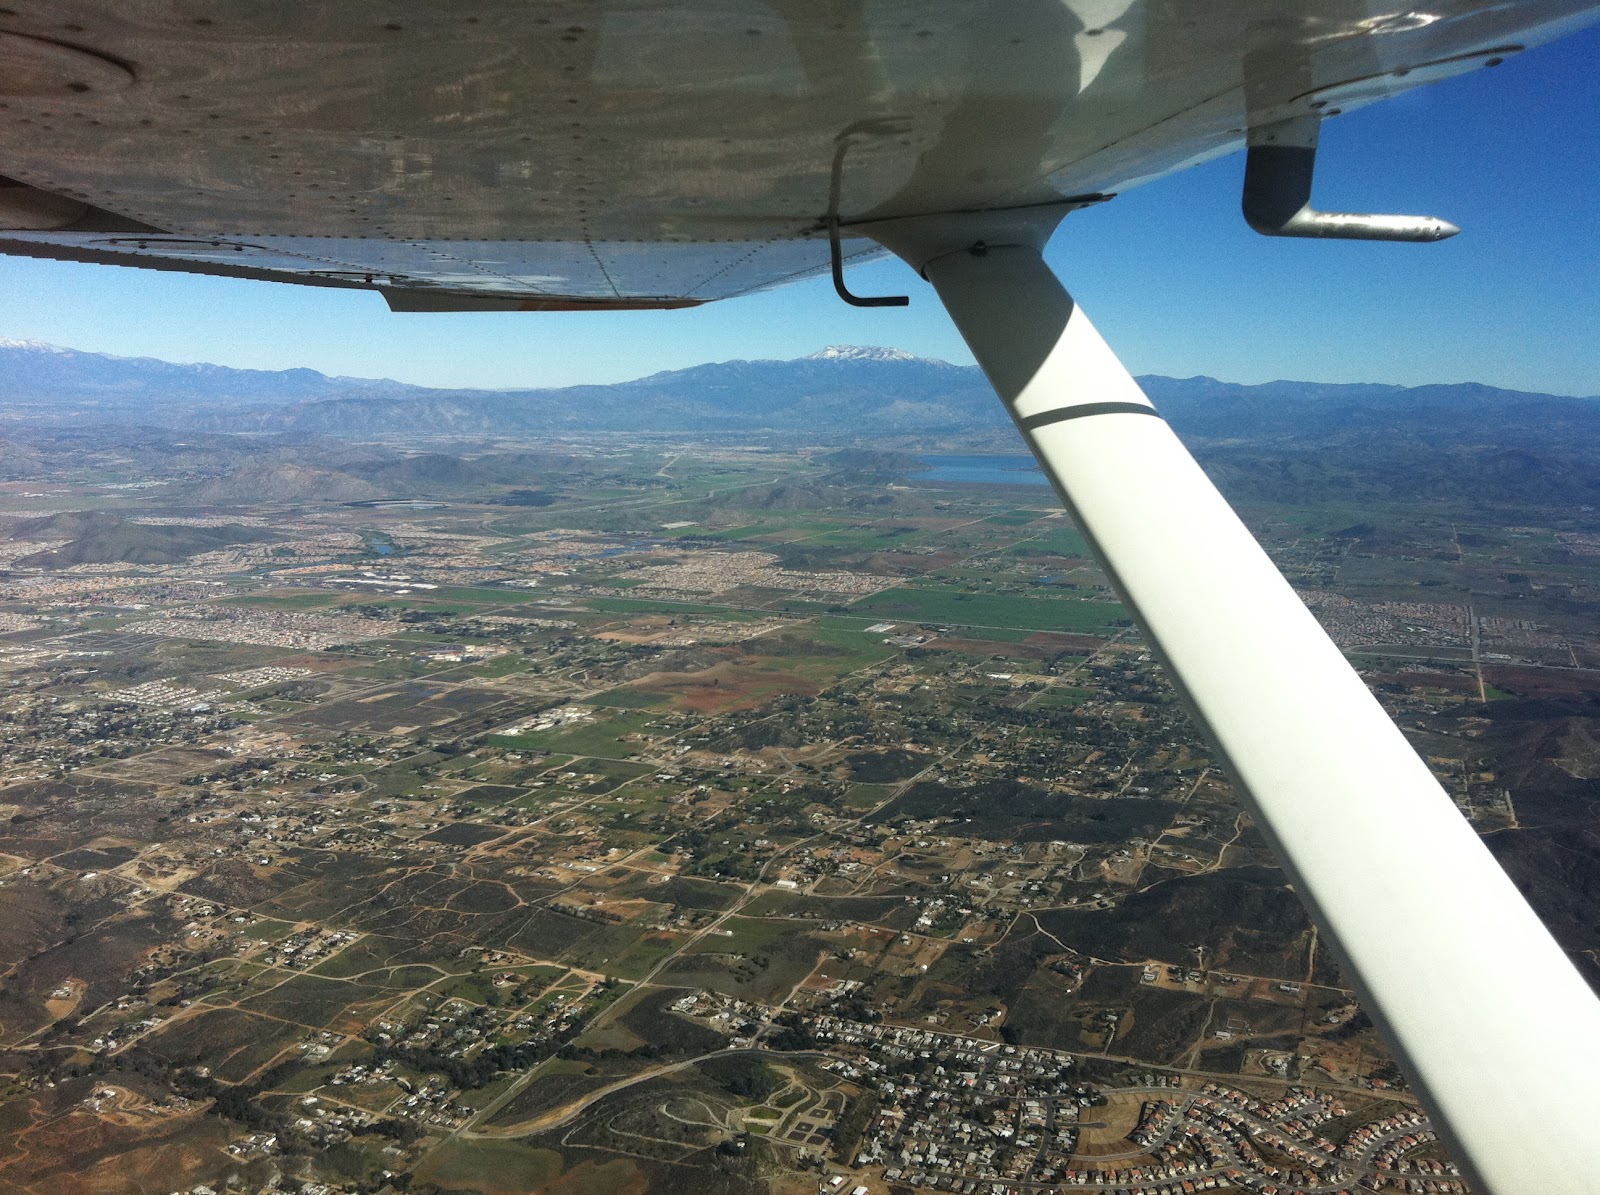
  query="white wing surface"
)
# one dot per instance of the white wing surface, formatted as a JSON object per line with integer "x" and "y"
{"x": 573, "y": 153}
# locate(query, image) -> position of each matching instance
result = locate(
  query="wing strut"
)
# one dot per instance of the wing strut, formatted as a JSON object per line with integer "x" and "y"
{"x": 1489, "y": 1020}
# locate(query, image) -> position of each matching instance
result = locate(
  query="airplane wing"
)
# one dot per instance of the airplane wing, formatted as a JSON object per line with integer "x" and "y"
{"x": 503, "y": 155}
{"x": 620, "y": 153}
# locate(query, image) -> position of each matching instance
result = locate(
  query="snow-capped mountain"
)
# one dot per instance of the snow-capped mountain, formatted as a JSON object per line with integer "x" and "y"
{"x": 867, "y": 352}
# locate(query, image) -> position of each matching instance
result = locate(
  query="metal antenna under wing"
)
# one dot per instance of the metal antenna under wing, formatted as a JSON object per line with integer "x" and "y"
{"x": 1277, "y": 193}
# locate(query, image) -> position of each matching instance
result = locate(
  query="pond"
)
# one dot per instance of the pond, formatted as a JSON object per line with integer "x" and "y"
{"x": 984, "y": 470}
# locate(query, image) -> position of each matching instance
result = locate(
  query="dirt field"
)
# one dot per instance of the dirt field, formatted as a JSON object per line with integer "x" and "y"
{"x": 727, "y": 686}
{"x": 1103, "y": 1131}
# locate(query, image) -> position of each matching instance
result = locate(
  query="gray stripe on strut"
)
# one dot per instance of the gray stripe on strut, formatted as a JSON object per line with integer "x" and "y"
{"x": 1062, "y": 414}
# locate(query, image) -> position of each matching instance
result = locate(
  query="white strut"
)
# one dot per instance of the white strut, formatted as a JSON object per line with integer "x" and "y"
{"x": 1496, "y": 1030}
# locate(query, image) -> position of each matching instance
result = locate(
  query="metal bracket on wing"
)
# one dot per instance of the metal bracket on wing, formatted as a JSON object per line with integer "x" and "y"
{"x": 841, "y": 146}
{"x": 836, "y": 259}
{"x": 1277, "y": 192}
{"x": 1029, "y": 223}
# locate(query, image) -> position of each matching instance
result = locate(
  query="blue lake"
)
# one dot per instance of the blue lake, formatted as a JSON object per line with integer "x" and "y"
{"x": 983, "y": 470}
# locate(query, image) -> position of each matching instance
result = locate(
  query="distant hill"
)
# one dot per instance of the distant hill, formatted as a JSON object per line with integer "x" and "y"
{"x": 36, "y": 374}
{"x": 18, "y": 461}
{"x": 68, "y": 524}
{"x": 1203, "y": 406}
{"x": 358, "y": 480}
{"x": 1306, "y": 441}
{"x": 868, "y": 460}
{"x": 280, "y": 482}
{"x": 886, "y": 389}
{"x": 842, "y": 388}
{"x": 98, "y": 538}
{"x": 437, "y": 472}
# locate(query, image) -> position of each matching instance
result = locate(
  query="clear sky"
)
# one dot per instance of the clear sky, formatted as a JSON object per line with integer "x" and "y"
{"x": 1169, "y": 272}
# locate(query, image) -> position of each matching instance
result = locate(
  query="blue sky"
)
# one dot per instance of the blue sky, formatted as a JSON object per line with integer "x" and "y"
{"x": 1169, "y": 272}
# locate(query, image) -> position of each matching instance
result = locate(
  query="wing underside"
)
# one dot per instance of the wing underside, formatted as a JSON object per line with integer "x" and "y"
{"x": 596, "y": 153}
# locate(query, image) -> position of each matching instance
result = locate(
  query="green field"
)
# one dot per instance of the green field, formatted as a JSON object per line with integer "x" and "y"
{"x": 499, "y": 666}
{"x": 629, "y": 699}
{"x": 638, "y": 959}
{"x": 1062, "y": 697}
{"x": 490, "y": 1167}
{"x": 599, "y": 738}
{"x": 880, "y": 538}
{"x": 799, "y": 606}
{"x": 736, "y": 533}
{"x": 429, "y": 605}
{"x": 851, "y": 636}
{"x": 954, "y": 608}
{"x": 662, "y": 606}
{"x": 286, "y": 601}
{"x": 865, "y": 796}
{"x": 480, "y": 595}
{"x": 1061, "y": 541}
{"x": 742, "y": 935}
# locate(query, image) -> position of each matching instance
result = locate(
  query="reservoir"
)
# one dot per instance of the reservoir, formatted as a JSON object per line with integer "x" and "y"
{"x": 983, "y": 470}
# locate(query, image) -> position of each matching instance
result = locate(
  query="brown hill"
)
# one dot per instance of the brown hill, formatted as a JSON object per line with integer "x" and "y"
{"x": 19, "y": 462}
{"x": 282, "y": 483}
{"x": 68, "y": 524}
{"x": 109, "y": 539}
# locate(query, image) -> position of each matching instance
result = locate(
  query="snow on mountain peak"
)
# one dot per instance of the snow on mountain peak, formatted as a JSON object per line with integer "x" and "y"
{"x": 859, "y": 352}
{"x": 7, "y": 342}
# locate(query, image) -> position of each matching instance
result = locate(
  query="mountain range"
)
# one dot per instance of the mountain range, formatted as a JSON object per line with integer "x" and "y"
{"x": 842, "y": 386}
{"x": 1283, "y": 439}
{"x": 881, "y": 391}
{"x": 38, "y": 375}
